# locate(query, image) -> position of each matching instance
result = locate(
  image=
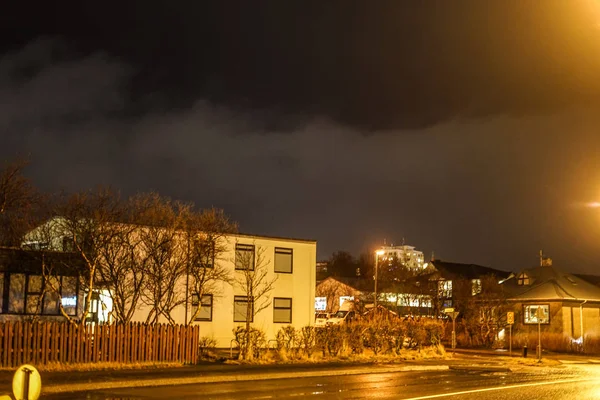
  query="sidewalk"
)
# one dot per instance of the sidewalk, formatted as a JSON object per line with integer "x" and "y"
{"x": 59, "y": 382}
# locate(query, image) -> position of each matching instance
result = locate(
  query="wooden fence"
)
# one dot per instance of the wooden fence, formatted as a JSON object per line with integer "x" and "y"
{"x": 41, "y": 343}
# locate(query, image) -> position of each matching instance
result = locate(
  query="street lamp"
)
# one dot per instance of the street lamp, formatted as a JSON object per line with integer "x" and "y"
{"x": 377, "y": 254}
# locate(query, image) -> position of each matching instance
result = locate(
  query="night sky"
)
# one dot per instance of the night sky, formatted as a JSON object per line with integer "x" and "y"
{"x": 467, "y": 128}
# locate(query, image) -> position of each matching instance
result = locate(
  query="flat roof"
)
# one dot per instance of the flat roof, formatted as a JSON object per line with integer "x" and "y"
{"x": 288, "y": 239}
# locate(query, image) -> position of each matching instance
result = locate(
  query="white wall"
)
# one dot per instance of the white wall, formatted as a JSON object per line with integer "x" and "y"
{"x": 299, "y": 286}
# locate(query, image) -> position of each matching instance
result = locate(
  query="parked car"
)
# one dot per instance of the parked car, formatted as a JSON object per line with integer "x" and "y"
{"x": 344, "y": 315}
{"x": 321, "y": 319}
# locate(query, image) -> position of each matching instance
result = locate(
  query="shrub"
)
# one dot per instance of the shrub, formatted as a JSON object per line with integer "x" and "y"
{"x": 355, "y": 333}
{"x": 307, "y": 340}
{"x": 256, "y": 345}
{"x": 415, "y": 333}
{"x": 206, "y": 346}
{"x": 286, "y": 340}
{"x": 434, "y": 332}
{"x": 335, "y": 339}
{"x": 398, "y": 334}
{"x": 330, "y": 339}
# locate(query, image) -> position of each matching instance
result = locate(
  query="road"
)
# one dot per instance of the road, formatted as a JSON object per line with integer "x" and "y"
{"x": 575, "y": 382}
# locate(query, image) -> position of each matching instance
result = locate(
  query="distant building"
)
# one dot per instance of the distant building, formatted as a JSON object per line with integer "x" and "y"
{"x": 406, "y": 254}
{"x": 321, "y": 270}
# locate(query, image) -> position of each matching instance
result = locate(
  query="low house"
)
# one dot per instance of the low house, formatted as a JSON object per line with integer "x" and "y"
{"x": 332, "y": 292}
{"x": 282, "y": 271}
{"x": 558, "y": 301}
{"x": 25, "y": 294}
{"x": 433, "y": 289}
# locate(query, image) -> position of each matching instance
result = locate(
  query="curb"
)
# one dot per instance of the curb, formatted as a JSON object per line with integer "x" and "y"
{"x": 79, "y": 387}
{"x": 480, "y": 369}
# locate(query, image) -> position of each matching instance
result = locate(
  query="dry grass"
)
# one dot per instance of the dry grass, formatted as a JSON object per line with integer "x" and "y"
{"x": 101, "y": 366}
{"x": 367, "y": 356}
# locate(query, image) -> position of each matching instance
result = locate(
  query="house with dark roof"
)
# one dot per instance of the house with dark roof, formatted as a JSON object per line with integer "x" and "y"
{"x": 331, "y": 292}
{"x": 426, "y": 293}
{"x": 558, "y": 301}
{"x": 447, "y": 274}
{"x": 36, "y": 283}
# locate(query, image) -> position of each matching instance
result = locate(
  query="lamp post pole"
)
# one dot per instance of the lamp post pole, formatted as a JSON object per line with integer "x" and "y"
{"x": 375, "y": 292}
{"x": 377, "y": 254}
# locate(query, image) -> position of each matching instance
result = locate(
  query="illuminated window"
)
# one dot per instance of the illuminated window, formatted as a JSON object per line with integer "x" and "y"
{"x": 538, "y": 313}
{"x": 282, "y": 310}
{"x": 283, "y": 260}
{"x": 475, "y": 286}
{"x": 320, "y": 303}
{"x": 68, "y": 293}
{"x": 445, "y": 289}
{"x": 244, "y": 257}
{"x": 523, "y": 279}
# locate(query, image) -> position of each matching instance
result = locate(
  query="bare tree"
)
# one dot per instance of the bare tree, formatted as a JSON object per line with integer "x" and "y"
{"x": 253, "y": 278}
{"x": 19, "y": 203}
{"x": 483, "y": 305}
{"x": 121, "y": 268}
{"x": 206, "y": 240}
{"x": 163, "y": 253}
{"x": 84, "y": 225}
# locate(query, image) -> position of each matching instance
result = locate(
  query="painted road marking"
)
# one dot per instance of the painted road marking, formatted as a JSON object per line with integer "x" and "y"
{"x": 436, "y": 396}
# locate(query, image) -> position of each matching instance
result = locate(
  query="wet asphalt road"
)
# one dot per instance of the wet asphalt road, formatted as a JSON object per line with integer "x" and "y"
{"x": 575, "y": 382}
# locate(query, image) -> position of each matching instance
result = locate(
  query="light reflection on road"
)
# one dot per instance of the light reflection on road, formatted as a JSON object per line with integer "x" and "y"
{"x": 574, "y": 382}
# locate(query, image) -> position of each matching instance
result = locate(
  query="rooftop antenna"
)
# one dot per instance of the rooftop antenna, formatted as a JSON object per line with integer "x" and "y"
{"x": 432, "y": 255}
{"x": 541, "y": 258}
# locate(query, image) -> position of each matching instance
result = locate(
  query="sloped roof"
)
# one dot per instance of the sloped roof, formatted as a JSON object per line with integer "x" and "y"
{"x": 358, "y": 284}
{"x": 450, "y": 270}
{"x": 551, "y": 284}
{"x": 20, "y": 260}
{"x": 593, "y": 279}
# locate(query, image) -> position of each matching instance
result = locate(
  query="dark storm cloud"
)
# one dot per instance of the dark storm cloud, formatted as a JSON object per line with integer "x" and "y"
{"x": 371, "y": 64}
{"x": 493, "y": 200}
{"x": 265, "y": 111}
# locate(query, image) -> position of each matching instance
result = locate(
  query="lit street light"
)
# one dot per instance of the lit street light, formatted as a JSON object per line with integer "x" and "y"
{"x": 377, "y": 254}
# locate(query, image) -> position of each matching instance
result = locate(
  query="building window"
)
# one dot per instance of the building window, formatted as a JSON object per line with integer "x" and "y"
{"x": 282, "y": 310}
{"x": 523, "y": 280}
{"x": 445, "y": 289}
{"x": 244, "y": 257}
{"x": 538, "y": 313}
{"x": 206, "y": 254}
{"x": 36, "y": 294}
{"x": 320, "y": 303}
{"x": 240, "y": 308}
{"x": 33, "y": 300}
{"x": 68, "y": 294}
{"x": 206, "y": 303}
{"x": 16, "y": 293}
{"x": 283, "y": 260}
{"x": 475, "y": 286}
